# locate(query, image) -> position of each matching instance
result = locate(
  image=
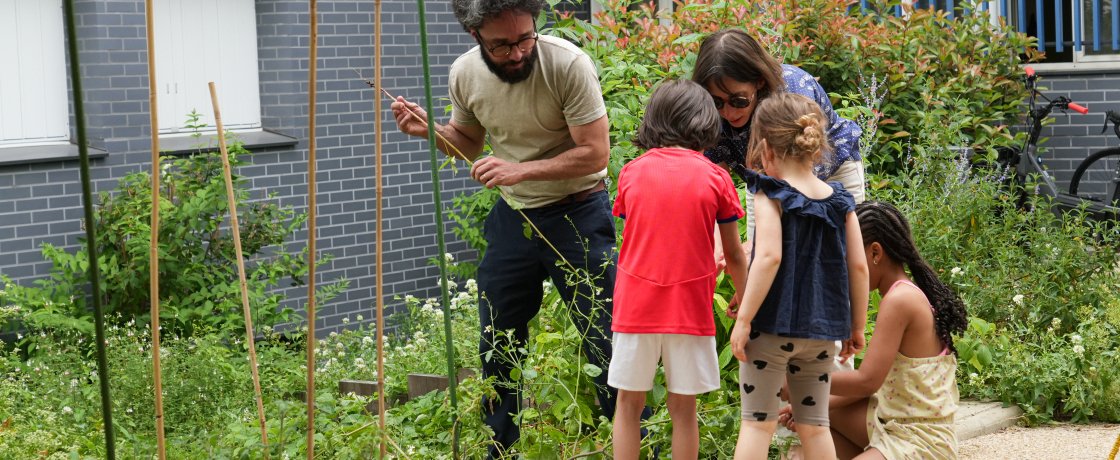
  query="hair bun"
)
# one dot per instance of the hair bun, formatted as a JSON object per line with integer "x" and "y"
{"x": 811, "y": 137}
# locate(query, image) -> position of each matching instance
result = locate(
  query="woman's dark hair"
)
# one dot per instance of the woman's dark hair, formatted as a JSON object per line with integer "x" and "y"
{"x": 884, "y": 224}
{"x": 472, "y": 13}
{"x": 680, "y": 113}
{"x": 732, "y": 53}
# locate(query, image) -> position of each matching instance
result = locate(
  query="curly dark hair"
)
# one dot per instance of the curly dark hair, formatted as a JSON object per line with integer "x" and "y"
{"x": 884, "y": 224}
{"x": 472, "y": 13}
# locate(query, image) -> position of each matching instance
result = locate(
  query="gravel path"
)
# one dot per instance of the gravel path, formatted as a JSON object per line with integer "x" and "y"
{"x": 1090, "y": 442}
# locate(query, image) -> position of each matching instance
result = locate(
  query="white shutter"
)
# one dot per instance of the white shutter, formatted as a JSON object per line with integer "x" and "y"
{"x": 199, "y": 41}
{"x": 33, "y": 96}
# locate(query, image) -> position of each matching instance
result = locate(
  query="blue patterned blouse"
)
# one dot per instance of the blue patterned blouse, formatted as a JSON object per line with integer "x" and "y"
{"x": 842, "y": 132}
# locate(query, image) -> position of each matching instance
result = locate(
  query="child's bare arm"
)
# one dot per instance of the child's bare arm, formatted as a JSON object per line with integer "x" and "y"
{"x": 763, "y": 268}
{"x": 890, "y": 325}
{"x": 857, "y": 286}
{"x": 736, "y": 260}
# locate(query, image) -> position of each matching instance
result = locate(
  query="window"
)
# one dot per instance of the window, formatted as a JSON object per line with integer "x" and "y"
{"x": 33, "y": 94}
{"x": 1073, "y": 33}
{"x": 199, "y": 41}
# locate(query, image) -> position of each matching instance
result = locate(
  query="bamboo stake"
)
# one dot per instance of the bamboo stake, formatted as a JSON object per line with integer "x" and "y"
{"x": 236, "y": 229}
{"x": 153, "y": 243}
{"x": 311, "y": 85}
{"x": 91, "y": 230}
{"x": 380, "y": 235}
{"x": 452, "y": 381}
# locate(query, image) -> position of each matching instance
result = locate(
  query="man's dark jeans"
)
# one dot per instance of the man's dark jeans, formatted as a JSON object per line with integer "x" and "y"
{"x": 510, "y": 281}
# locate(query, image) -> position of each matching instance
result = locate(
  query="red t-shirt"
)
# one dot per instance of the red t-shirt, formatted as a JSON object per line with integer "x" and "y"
{"x": 671, "y": 199}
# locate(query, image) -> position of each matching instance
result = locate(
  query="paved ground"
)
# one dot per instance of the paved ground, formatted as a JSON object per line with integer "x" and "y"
{"x": 988, "y": 431}
{"x": 1090, "y": 442}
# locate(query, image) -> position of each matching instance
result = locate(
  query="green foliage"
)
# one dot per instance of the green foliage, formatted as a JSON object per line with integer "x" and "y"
{"x": 198, "y": 266}
{"x": 1040, "y": 288}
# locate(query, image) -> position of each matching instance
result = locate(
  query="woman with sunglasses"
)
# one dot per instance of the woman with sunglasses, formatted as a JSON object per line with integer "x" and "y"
{"x": 738, "y": 73}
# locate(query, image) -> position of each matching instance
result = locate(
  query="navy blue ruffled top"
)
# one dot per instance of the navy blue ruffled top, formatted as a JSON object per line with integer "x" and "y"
{"x": 809, "y": 296}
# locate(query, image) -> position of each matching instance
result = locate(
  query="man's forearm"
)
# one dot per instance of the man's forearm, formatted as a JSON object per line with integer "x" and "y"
{"x": 456, "y": 144}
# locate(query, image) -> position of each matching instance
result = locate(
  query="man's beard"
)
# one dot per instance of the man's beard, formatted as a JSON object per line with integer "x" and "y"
{"x": 506, "y": 74}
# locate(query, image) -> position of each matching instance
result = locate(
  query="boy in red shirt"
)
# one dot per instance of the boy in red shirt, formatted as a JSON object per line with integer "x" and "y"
{"x": 670, "y": 197}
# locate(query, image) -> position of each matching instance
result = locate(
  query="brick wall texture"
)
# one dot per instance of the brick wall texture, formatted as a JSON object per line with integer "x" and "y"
{"x": 41, "y": 202}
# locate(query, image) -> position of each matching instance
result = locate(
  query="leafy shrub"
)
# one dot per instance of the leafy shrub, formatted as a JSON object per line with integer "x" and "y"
{"x": 198, "y": 268}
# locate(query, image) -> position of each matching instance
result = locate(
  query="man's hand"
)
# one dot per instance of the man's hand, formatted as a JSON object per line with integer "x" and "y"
{"x": 493, "y": 171}
{"x": 403, "y": 111}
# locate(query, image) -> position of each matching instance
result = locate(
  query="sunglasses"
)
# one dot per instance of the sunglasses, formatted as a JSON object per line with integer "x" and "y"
{"x": 738, "y": 102}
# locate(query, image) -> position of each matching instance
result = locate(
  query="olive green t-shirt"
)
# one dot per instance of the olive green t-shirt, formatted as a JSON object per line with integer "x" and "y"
{"x": 529, "y": 120}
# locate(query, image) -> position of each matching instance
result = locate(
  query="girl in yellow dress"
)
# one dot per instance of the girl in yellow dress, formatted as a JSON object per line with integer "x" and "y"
{"x": 901, "y": 401}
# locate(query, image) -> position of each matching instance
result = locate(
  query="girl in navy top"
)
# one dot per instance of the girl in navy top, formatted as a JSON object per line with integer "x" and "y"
{"x": 807, "y": 267}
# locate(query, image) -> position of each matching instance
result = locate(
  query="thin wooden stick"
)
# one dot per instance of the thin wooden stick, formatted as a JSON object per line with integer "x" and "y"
{"x": 459, "y": 154}
{"x": 153, "y": 243}
{"x": 312, "y": 82}
{"x": 231, "y": 199}
{"x": 380, "y": 234}
{"x": 91, "y": 230}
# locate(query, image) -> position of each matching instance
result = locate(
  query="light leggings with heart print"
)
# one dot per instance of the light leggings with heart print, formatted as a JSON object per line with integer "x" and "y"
{"x": 771, "y": 359}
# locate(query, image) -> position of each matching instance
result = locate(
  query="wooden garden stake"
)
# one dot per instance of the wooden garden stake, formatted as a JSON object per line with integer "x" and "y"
{"x": 91, "y": 230}
{"x": 380, "y": 235}
{"x": 312, "y": 82}
{"x": 236, "y": 230}
{"x": 153, "y": 242}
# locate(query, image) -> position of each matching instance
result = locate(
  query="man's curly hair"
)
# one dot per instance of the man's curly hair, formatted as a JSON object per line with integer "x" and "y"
{"x": 472, "y": 13}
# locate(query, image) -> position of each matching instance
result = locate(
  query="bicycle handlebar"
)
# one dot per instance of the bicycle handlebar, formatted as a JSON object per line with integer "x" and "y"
{"x": 1078, "y": 108}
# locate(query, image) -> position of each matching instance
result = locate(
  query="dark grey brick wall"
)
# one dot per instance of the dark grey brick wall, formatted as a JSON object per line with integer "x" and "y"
{"x": 1073, "y": 136}
{"x": 41, "y": 203}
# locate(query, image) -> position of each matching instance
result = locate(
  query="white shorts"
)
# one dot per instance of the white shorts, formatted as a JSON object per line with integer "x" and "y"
{"x": 691, "y": 363}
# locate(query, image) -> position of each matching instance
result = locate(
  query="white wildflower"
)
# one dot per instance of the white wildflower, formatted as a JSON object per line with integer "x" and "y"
{"x": 1018, "y": 299}
{"x": 1078, "y": 349}
{"x": 1056, "y": 322}
{"x": 367, "y": 340}
{"x": 449, "y": 257}
{"x": 955, "y": 271}
{"x": 359, "y": 317}
{"x": 1075, "y": 339}
{"x": 346, "y": 320}
{"x": 472, "y": 285}
{"x": 67, "y": 410}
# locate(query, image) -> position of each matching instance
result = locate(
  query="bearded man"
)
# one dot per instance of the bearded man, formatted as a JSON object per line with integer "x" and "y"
{"x": 538, "y": 99}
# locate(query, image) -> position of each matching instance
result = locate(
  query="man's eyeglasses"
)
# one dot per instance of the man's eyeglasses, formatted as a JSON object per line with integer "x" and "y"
{"x": 738, "y": 102}
{"x": 525, "y": 44}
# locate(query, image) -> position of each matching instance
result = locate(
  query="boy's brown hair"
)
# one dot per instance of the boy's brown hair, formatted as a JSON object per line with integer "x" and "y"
{"x": 680, "y": 113}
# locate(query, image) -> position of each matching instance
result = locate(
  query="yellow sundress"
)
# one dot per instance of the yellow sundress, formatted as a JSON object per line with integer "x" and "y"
{"x": 911, "y": 416}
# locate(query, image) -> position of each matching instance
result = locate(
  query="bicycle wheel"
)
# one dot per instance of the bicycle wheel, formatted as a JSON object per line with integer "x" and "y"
{"x": 1091, "y": 163}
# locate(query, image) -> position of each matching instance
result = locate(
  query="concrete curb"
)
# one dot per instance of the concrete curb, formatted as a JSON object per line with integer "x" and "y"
{"x": 976, "y": 418}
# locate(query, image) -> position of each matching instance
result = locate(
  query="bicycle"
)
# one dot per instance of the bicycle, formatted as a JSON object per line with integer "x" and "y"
{"x": 1028, "y": 165}
{"x": 1112, "y": 188}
